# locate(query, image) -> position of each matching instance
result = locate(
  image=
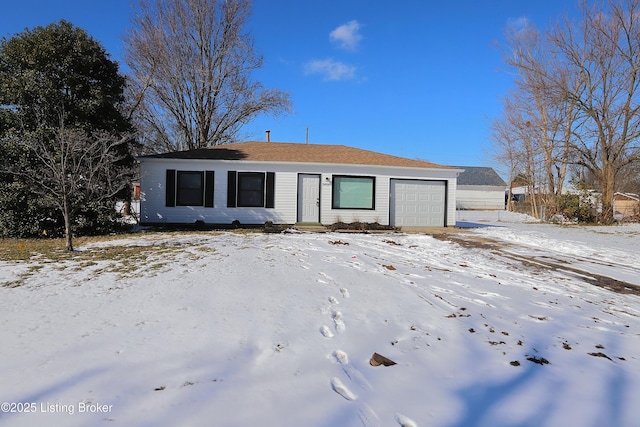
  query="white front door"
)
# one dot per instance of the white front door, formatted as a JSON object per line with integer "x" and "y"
{"x": 308, "y": 198}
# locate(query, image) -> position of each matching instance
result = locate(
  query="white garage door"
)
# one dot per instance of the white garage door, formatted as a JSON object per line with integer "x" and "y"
{"x": 416, "y": 203}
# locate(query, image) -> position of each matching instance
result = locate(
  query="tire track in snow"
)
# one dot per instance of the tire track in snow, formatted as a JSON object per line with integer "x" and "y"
{"x": 551, "y": 263}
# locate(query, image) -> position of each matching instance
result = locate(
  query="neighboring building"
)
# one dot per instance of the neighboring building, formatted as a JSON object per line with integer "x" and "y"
{"x": 626, "y": 204}
{"x": 288, "y": 183}
{"x": 480, "y": 188}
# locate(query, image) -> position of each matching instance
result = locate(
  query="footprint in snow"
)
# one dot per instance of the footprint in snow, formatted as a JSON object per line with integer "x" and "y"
{"x": 332, "y": 300}
{"x": 345, "y": 292}
{"x": 352, "y": 372}
{"x": 326, "y": 276}
{"x": 337, "y": 319}
{"x": 405, "y": 421}
{"x": 326, "y": 332}
{"x": 341, "y": 389}
{"x": 341, "y": 356}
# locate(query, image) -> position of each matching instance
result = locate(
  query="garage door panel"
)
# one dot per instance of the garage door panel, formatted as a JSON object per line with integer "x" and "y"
{"x": 416, "y": 203}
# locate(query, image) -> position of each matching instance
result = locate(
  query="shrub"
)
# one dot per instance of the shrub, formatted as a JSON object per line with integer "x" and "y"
{"x": 576, "y": 207}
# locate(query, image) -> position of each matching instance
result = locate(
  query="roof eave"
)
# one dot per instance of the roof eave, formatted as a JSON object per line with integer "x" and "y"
{"x": 301, "y": 163}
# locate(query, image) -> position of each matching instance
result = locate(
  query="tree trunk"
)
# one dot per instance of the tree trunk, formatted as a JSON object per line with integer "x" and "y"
{"x": 510, "y": 195}
{"x": 534, "y": 203}
{"x": 67, "y": 227}
{"x": 608, "y": 189}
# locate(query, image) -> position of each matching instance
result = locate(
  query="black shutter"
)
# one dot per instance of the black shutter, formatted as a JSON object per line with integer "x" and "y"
{"x": 270, "y": 190}
{"x": 170, "y": 186}
{"x": 208, "y": 189}
{"x": 231, "y": 189}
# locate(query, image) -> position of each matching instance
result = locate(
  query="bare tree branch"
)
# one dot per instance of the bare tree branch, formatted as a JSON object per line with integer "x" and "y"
{"x": 583, "y": 81}
{"x": 72, "y": 167}
{"x": 192, "y": 64}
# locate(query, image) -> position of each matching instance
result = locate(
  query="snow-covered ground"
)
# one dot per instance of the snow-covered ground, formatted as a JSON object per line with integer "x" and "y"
{"x": 503, "y": 324}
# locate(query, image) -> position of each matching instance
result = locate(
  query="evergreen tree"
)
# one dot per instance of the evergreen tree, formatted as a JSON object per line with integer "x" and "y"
{"x": 64, "y": 141}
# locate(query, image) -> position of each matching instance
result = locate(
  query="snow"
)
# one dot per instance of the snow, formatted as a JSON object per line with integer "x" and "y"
{"x": 242, "y": 329}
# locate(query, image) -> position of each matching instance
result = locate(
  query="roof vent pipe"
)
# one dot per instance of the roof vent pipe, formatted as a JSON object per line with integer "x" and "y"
{"x": 268, "y": 132}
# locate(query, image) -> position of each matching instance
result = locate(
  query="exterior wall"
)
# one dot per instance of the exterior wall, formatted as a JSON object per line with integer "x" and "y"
{"x": 154, "y": 211}
{"x": 474, "y": 197}
{"x": 626, "y": 206}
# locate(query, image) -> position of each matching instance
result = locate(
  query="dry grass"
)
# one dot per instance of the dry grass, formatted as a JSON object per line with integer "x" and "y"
{"x": 53, "y": 250}
{"x": 123, "y": 254}
{"x": 50, "y": 249}
{"x": 121, "y": 259}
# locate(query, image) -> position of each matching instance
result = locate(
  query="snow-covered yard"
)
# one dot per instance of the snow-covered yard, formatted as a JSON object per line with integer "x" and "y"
{"x": 504, "y": 324}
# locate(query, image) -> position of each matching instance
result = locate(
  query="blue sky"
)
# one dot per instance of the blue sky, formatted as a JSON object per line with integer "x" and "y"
{"x": 419, "y": 78}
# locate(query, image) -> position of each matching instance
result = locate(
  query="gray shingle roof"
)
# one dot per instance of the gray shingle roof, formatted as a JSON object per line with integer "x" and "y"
{"x": 478, "y": 175}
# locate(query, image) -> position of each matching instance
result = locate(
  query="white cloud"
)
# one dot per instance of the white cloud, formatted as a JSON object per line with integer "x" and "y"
{"x": 518, "y": 24}
{"x": 330, "y": 69}
{"x": 347, "y": 36}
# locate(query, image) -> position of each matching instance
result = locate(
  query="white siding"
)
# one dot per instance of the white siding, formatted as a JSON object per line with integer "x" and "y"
{"x": 480, "y": 197}
{"x": 153, "y": 176}
{"x": 152, "y": 194}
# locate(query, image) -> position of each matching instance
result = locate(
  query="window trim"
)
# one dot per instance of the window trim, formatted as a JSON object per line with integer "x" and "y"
{"x": 334, "y": 182}
{"x": 240, "y": 192}
{"x": 207, "y": 185}
{"x": 233, "y": 189}
{"x": 180, "y": 189}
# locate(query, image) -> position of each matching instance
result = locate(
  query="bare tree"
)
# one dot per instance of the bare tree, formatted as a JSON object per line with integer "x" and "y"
{"x": 603, "y": 51}
{"x": 507, "y": 152}
{"x": 581, "y": 82}
{"x": 72, "y": 168}
{"x": 630, "y": 179}
{"x": 518, "y": 137}
{"x": 191, "y": 66}
{"x": 549, "y": 119}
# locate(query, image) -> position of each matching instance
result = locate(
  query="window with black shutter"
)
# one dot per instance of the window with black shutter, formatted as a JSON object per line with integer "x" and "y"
{"x": 251, "y": 189}
{"x": 189, "y": 188}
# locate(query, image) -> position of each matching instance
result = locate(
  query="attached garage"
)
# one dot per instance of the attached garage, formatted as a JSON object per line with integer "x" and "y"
{"x": 417, "y": 203}
{"x": 288, "y": 183}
